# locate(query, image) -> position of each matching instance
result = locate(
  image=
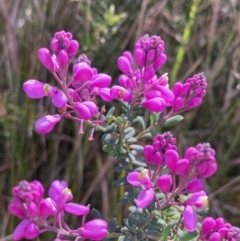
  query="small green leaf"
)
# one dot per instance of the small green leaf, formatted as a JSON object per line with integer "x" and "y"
{"x": 187, "y": 236}
{"x": 112, "y": 225}
{"x": 110, "y": 111}
{"x": 131, "y": 140}
{"x": 136, "y": 147}
{"x": 121, "y": 181}
{"x": 96, "y": 214}
{"x": 141, "y": 122}
{"x": 105, "y": 138}
{"x": 166, "y": 231}
{"x": 108, "y": 148}
{"x": 173, "y": 120}
{"x": 119, "y": 120}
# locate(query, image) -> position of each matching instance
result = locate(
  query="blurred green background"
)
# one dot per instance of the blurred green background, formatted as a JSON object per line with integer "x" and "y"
{"x": 199, "y": 35}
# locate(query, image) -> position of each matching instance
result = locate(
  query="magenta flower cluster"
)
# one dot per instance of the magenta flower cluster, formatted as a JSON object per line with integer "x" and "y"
{"x": 76, "y": 97}
{"x": 184, "y": 176}
{"x": 218, "y": 230}
{"x": 36, "y": 211}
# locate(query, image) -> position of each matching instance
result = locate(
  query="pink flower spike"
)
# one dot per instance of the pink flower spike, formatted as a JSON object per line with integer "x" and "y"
{"x": 171, "y": 158}
{"x": 83, "y": 111}
{"x": 76, "y": 209}
{"x": 190, "y": 219}
{"x": 100, "y": 81}
{"x": 73, "y": 48}
{"x": 182, "y": 167}
{"x": 45, "y": 58}
{"x": 194, "y": 102}
{"x": 105, "y": 94}
{"x": 133, "y": 179}
{"x": 34, "y": 89}
{"x": 156, "y": 104}
{"x": 62, "y": 58}
{"x": 91, "y": 106}
{"x": 46, "y": 123}
{"x": 148, "y": 152}
{"x": 19, "y": 231}
{"x": 140, "y": 57}
{"x": 95, "y": 229}
{"x": 208, "y": 225}
{"x": 160, "y": 61}
{"x": 145, "y": 197}
{"x": 148, "y": 73}
{"x": 59, "y": 99}
{"x": 164, "y": 183}
{"x": 196, "y": 185}
{"x": 124, "y": 65}
{"x": 31, "y": 231}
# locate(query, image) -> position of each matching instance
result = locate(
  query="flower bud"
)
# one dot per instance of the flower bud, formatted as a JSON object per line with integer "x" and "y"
{"x": 82, "y": 72}
{"x": 177, "y": 89}
{"x": 140, "y": 57}
{"x": 45, "y": 58}
{"x": 91, "y": 106}
{"x": 194, "y": 102}
{"x": 211, "y": 169}
{"x": 95, "y": 229}
{"x": 129, "y": 56}
{"x": 101, "y": 81}
{"x": 157, "y": 158}
{"x": 208, "y": 225}
{"x": 215, "y": 237}
{"x": 156, "y": 104}
{"x": 148, "y": 152}
{"x": 76, "y": 209}
{"x": 45, "y": 208}
{"x": 19, "y": 231}
{"x": 125, "y": 81}
{"x": 73, "y": 48}
{"x": 196, "y": 185}
{"x": 182, "y": 167}
{"x": 124, "y": 65}
{"x": 59, "y": 99}
{"x": 105, "y": 94}
{"x": 83, "y": 111}
{"x": 171, "y": 158}
{"x": 32, "y": 210}
{"x": 160, "y": 61}
{"x": 164, "y": 183}
{"x": 62, "y": 58}
{"x": 55, "y": 47}
{"x": 152, "y": 94}
{"x": 219, "y": 223}
{"x": 148, "y": 73}
{"x": 34, "y": 89}
{"x": 151, "y": 55}
{"x": 190, "y": 220}
{"x": 46, "y": 123}
{"x": 31, "y": 231}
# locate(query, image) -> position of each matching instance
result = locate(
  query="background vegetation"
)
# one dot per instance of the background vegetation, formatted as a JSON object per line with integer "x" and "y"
{"x": 199, "y": 35}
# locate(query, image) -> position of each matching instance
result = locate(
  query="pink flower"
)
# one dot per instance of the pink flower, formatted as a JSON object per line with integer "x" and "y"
{"x": 60, "y": 196}
{"x": 146, "y": 195}
{"x": 46, "y": 123}
{"x": 156, "y": 104}
{"x": 34, "y": 89}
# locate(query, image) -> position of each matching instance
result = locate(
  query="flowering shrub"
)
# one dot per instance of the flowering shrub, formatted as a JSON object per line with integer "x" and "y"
{"x": 165, "y": 189}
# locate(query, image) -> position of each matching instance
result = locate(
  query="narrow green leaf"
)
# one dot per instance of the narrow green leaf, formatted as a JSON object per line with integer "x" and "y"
{"x": 166, "y": 231}
{"x": 110, "y": 111}
{"x": 173, "y": 120}
{"x": 187, "y": 236}
{"x": 112, "y": 225}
